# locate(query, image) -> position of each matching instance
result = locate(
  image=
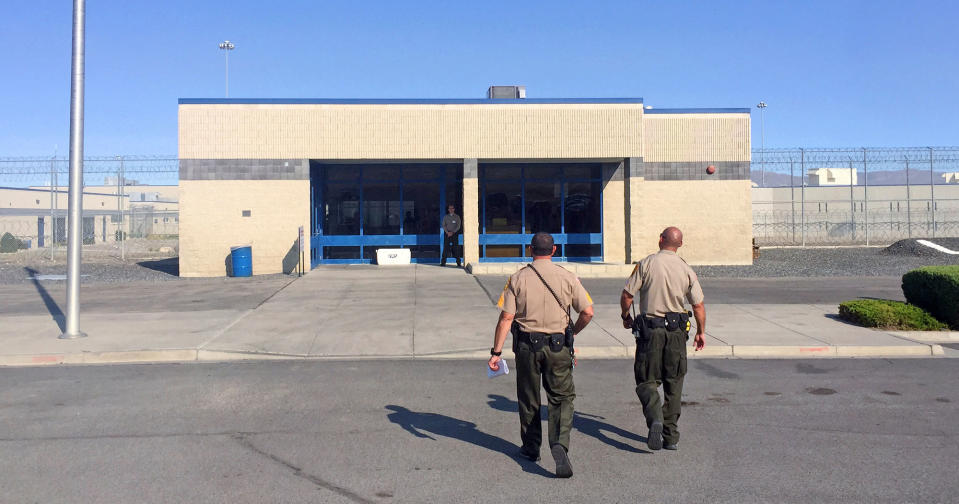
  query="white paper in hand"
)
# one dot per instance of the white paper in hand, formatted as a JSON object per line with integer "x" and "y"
{"x": 503, "y": 369}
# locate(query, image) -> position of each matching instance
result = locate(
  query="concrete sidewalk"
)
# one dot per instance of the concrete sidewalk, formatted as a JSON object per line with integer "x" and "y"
{"x": 377, "y": 312}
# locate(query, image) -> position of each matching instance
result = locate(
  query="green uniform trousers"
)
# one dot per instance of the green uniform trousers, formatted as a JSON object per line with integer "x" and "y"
{"x": 661, "y": 360}
{"x": 556, "y": 371}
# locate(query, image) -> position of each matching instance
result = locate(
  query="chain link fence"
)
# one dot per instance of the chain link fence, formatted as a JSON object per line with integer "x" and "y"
{"x": 864, "y": 196}
{"x": 130, "y": 204}
{"x": 850, "y": 196}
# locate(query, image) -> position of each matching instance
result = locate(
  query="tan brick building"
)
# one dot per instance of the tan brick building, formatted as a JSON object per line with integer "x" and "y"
{"x": 604, "y": 176}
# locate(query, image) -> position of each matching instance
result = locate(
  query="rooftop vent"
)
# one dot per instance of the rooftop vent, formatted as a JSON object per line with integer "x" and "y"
{"x": 506, "y": 92}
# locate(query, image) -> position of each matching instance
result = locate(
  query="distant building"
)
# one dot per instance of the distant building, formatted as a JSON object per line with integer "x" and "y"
{"x": 832, "y": 176}
{"x": 951, "y": 178}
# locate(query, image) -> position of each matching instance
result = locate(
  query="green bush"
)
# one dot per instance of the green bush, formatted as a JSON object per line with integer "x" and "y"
{"x": 10, "y": 243}
{"x": 935, "y": 289}
{"x": 888, "y": 315}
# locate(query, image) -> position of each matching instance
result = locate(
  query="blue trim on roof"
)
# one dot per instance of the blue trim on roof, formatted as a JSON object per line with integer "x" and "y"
{"x": 397, "y": 101}
{"x": 697, "y": 111}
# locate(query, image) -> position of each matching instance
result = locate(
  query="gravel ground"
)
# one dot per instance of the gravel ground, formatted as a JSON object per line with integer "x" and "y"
{"x": 144, "y": 264}
{"x": 145, "y": 260}
{"x": 826, "y": 262}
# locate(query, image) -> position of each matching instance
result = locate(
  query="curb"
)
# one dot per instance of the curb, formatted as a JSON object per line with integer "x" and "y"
{"x": 589, "y": 352}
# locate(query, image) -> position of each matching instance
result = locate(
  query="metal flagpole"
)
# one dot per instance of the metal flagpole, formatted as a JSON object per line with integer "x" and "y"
{"x": 75, "y": 222}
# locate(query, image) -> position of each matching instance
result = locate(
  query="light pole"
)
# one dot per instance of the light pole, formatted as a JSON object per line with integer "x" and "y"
{"x": 762, "y": 120}
{"x": 75, "y": 196}
{"x": 227, "y": 46}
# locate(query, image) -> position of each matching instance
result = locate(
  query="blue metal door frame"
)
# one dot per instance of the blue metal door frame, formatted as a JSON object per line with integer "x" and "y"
{"x": 523, "y": 239}
{"x": 318, "y": 240}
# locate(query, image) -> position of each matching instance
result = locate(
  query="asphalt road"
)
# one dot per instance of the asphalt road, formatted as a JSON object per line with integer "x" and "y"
{"x": 439, "y": 431}
{"x": 812, "y": 290}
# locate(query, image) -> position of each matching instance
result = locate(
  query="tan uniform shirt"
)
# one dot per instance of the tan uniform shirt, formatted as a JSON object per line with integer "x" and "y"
{"x": 663, "y": 279}
{"x": 535, "y": 308}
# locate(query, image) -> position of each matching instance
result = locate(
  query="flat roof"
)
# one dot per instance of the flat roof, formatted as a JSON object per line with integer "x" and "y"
{"x": 697, "y": 111}
{"x": 399, "y": 101}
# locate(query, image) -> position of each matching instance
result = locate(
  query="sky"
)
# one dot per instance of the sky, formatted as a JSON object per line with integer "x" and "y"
{"x": 833, "y": 73}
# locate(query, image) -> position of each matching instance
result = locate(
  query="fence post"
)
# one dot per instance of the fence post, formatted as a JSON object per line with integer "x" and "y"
{"x": 932, "y": 193}
{"x": 852, "y": 202}
{"x": 908, "y": 201}
{"x": 792, "y": 197}
{"x": 865, "y": 188}
{"x": 53, "y": 205}
{"x": 802, "y": 207}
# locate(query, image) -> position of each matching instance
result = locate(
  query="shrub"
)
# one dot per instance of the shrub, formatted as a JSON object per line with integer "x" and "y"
{"x": 935, "y": 289}
{"x": 888, "y": 315}
{"x": 10, "y": 243}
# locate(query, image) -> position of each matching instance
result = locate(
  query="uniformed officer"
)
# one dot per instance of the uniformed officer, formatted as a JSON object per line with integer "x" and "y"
{"x": 451, "y": 227}
{"x": 542, "y": 342}
{"x": 663, "y": 280}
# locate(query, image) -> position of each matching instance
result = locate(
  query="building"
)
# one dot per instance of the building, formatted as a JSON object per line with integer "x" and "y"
{"x": 832, "y": 176}
{"x": 604, "y": 176}
{"x": 951, "y": 178}
{"x": 38, "y": 217}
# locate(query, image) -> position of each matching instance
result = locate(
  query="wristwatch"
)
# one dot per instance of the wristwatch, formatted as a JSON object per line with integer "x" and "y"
{"x": 495, "y": 353}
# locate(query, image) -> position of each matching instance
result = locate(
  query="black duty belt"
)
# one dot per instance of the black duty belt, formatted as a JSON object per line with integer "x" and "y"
{"x": 535, "y": 337}
{"x": 671, "y": 322}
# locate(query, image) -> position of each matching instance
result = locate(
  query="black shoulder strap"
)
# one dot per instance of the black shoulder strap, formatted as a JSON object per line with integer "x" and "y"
{"x": 550, "y": 289}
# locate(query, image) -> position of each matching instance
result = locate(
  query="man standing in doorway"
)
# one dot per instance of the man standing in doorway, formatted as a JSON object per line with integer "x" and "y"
{"x": 451, "y": 228}
{"x": 663, "y": 281}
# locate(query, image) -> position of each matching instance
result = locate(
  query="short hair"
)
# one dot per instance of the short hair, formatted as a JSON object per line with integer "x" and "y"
{"x": 542, "y": 244}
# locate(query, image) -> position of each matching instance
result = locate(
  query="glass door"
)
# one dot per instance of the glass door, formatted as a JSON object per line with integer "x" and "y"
{"x": 359, "y": 208}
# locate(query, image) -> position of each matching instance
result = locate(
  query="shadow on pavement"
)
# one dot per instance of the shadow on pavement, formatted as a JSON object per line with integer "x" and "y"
{"x": 51, "y": 305}
{"x": 588, "y": 424}
{"x": 169, "y": 266}
{"x": 419, "y": 423}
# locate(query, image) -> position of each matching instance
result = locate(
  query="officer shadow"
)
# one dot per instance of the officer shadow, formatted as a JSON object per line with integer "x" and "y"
{"x": 420, "y": 423}
{"x": 591, "y": 425}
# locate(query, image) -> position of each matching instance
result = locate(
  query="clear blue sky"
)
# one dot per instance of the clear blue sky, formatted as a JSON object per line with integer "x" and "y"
{"x": 834, "y": 73}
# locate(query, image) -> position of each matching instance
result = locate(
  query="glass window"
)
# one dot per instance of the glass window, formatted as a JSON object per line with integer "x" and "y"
{"x": 504, "y": 210}
{"x": 583, "y": 203}
{"x": 543, "y": 207}
{"x": 381, "y": 172}
{"x": 341, "y": 252}
{"x": 583, "y": 170}
{"x": 548, "y": 171}
{"x": 425, "y": 252}
{"x": 583, "y": 251}
{"x": 504, "y": 251}
{"x": 381, "y": 209}
{"x": 341, "y": 172}
{"x": 421, "y": 172}
{"x": 502, "y": 171}
{"x": 421, "y": 208}
{"x": 341, "y": 213}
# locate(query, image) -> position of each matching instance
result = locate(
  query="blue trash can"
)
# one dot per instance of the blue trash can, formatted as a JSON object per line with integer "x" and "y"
{"x": 241, "y": 259}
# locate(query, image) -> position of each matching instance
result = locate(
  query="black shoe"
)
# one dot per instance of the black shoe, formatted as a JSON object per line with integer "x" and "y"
{"x": 529, "y": 454}
{"x": 654, "y": 440}
{"x": 671, "y": 446}
{"x": 563, "y": 468}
